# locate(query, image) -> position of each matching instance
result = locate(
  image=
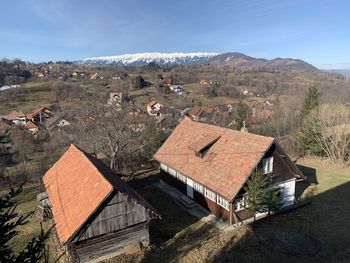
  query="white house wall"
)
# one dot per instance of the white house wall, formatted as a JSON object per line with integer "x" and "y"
{"x": 287, "y": 192}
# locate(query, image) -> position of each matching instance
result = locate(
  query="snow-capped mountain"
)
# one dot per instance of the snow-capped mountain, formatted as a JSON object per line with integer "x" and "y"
{"x": 162, "y": 59}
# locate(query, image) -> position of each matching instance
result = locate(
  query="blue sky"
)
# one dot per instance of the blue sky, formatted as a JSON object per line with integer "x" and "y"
{"x": 317, "y": 31}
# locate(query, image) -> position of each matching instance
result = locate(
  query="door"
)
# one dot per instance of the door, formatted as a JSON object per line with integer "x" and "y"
{"x": 189, "y": 188}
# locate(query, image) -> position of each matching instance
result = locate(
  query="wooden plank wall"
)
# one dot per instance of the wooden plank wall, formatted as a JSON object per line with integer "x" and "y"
{"x": 117, "y": 213}
{"x": 107, "y": 246}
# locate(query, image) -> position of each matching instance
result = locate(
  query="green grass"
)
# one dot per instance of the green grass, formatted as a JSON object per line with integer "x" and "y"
{"x": 26, "y": 204}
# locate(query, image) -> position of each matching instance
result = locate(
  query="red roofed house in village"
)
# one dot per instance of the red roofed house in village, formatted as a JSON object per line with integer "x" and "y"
{"x": 94, "y": 75}
{"x": 153, "y": 107}
{"x": 16, "y": 117}
{"x": 166, "y": 82}
{"x": 96, "y": 214}
{"x": 199, "y": 113}
{"x": 31, "y": 127}
{"x": 115, "y": 98}
{"x": 211, "y": 165}
{"x": 39, "y": 114}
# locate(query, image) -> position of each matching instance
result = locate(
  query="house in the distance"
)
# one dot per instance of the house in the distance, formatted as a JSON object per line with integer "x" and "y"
{"x": 199, "y": 113}
{"x": 94, "y": 75}
{"x": 96, "y": 214}
{"x": 177, "y": 89}
{"x": 153, "y": 108}
{"x": 166, "y": 82}
{"x": 247, "y": 92}
{"x": 118, "y": 76}
{"x": 211, "y": 165}
{"x": 77, "y": 74}
{"x": 16, "y": 117}
{"x": 40, "y": 114}
{"x": 203, "y": 82}
{"x": 31, "y": 127}
{"x": 115, "y": 98}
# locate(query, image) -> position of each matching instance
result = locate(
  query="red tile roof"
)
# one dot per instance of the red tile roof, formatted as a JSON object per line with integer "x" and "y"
{"x": 152, "y": 103}
{"x": 197, "y": 110}
{"x": 77, "y": 184}
{"x": 228, "y": 162}
{"x": 30, "y": 125}
{"x": 39, "y": 109}
{"x": 13, "y": 115}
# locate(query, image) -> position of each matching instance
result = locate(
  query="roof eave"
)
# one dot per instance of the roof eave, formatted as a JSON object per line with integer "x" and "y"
{"x": 251, "y": 171}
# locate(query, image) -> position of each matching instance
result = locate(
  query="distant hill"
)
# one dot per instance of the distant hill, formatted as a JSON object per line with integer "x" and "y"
{"x": 344, "y": 72}
{"x": 232, "y": 58}
{"x": 243, "y": 61}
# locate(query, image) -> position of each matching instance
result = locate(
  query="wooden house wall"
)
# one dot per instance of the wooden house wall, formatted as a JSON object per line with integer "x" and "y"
{"x": 118, "y": 212}
{"x": 281, "y": 170}
{"x": 110, "y": 245}
{"x": 208, "y": 204}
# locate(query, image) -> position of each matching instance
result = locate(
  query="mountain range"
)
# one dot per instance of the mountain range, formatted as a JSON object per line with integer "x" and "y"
{"x": 234, "y": 59}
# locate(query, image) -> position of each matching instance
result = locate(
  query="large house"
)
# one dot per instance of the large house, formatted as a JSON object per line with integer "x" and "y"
{"x": 96, "y": 214}
{"x": 211, "y": 165}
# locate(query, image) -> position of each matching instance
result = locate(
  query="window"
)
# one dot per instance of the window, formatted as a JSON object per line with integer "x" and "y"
{"x": 209, "y": 194}
{"x": 222, "y": 202}
{"x": 267, "y": 165}
{"x": 171, "y": 171}
{"x": 181, "y": 177}
{"x": 240, "y": 204}
{"x": 163, "y": 167}
{"x": 198, "y": 187}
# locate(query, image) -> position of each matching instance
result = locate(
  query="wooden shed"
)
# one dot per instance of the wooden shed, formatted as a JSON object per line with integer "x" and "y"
{"x": 95, "y": 212}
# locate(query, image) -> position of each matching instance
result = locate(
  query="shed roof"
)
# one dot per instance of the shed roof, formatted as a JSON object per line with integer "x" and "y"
{"x": 77, "y": 184}
{"x": 229, "y": 159}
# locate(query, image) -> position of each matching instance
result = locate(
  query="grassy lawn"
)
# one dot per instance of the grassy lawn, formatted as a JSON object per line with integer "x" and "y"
{"x": 26, "y": 204}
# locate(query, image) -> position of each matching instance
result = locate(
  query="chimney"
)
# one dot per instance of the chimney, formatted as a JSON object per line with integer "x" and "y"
{"x": 244, "y": 128}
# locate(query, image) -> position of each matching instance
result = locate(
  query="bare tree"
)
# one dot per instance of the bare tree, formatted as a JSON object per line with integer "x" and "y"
{"x": 330, "y": 127}
{"x": 117, "y": 133}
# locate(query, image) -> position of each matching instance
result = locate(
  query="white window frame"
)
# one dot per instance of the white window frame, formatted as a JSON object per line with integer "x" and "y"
{"x": 267, "y": 165}
{"x": 181, "y": 177}
{"x": 172, "y": 172}
{"x": 239, "y": 204}
{"x": 222, "y": 202}
{"x": 164, "y": 167}
{"x": 198, "y": 187}
{"x": 210, "y": 194}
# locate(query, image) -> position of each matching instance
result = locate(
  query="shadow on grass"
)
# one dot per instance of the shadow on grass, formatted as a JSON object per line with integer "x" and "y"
{"x": 174, "y": 218}
{"x": 316, "y": 233}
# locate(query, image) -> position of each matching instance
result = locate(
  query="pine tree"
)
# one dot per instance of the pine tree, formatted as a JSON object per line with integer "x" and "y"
{"x": 9, "y": 221}
{"x": 261, "y": 194}
{"x": 311, "y": 101}
{"x": 308, "y": 125}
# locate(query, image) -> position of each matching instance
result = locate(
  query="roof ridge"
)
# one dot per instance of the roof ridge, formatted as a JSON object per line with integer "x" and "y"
{"x": 224, "y": 128}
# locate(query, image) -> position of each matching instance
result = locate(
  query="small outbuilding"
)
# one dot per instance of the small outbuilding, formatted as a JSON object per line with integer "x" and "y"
{"x": 96, "y": 213}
